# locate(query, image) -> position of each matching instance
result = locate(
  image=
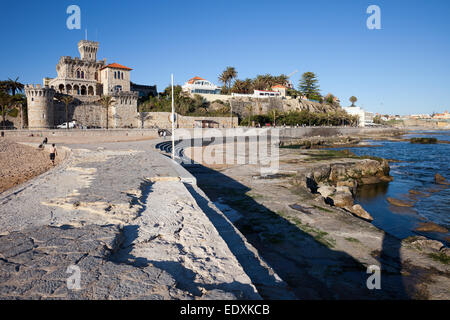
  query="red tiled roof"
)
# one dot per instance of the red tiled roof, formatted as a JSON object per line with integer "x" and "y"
{"x": 195, "y": 78}
{"x": 279, "y": 86}
{"x": 116, "y": 66}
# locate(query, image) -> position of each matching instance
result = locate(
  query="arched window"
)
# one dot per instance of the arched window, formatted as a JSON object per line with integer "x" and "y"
{"x": 82, "y": 74}
{"x": 78, "y": 74}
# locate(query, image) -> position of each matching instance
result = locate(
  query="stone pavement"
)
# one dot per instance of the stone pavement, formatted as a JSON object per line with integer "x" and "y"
{"x": 123, "y": 215}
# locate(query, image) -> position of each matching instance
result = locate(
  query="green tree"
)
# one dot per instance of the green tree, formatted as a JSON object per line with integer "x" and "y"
{"x": 309, "y": 86}
{"x": 14, "y": 86}
{"x": 106, "y": 102}
{"x": 7, "y": 104}
{"x": 249, "y": 109}
{"x": 66, "y": 99}
{"x": 353, "y": 99}
{"x": 227, "y": 76}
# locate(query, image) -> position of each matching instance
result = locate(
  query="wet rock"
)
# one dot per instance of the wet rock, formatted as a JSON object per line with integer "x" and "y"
{"x": 440, "y": 179}
{"x": 400, "y": 203}
{"x": 415, "y": 192}
{"x": 386, "y": 178}
{"x": 359, "y": 211}
{"x": 431, "y": 227}
{"x": 370, "y": 180}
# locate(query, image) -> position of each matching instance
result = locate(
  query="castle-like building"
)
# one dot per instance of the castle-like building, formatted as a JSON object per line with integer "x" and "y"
{"x": 86, "y": 79}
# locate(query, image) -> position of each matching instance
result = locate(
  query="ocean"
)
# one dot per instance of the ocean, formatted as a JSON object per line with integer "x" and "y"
{"x": 418, "y": 163}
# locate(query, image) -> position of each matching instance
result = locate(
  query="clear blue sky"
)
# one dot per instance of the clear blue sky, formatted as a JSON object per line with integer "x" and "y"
{"x": 403, "y": 68}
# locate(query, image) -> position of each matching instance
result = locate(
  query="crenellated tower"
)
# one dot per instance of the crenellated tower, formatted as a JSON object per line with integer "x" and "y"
{"x": 88, "y": 50}
{"x": 40, "y": 106}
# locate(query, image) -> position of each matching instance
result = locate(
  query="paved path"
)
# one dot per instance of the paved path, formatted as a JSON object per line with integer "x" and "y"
{"x": 122, "y": 214}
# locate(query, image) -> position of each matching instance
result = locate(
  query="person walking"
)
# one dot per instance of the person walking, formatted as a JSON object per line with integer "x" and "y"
{"x": 53, "y": 154}
{"x": 164, "y": 134}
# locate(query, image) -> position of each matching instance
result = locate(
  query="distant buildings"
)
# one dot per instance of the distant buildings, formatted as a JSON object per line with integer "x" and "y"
{"x": 199, "y": 85}
{"x": 259, "y": 94}
{"x": 281, "y": 89}
{"x": 420, "y": 116}
{"x": 442, "y": 116}
{"x": 365, "y": 117}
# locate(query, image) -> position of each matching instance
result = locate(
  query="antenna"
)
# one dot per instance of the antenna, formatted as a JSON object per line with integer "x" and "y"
{"x": 85, "y": 31}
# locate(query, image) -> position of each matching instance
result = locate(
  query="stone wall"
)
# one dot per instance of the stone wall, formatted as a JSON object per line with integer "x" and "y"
{"x": 265, "y": 105}
{"x": 162, "y": 120}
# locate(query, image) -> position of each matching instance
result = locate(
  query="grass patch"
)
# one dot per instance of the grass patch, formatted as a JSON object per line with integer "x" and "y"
{"x": 336, "y": 154}
{"x": 350, "y": 239}
{"x": 322, "y": 209}
{"x": 440, "y": 257}
{"x": 319, "y": 235}
{"x": 254, "y": 195}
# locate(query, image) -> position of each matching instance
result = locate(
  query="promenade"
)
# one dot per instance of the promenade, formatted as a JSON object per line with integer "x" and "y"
{"x": 135, "y": 225}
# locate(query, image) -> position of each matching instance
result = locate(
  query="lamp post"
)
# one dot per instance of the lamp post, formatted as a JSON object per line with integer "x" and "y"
{"x": 173, "y": 122}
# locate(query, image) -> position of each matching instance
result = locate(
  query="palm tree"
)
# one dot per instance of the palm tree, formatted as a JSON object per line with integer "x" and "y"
{"x": 227, "y": 76}
{"x": 14, "y": 85}
{"x": 232, "y": 74}
{"x": 353, "y": 99}
{"x": 106, "y": 102}
{"x": 239, "y": 86}
{"x": 250, "y": 113}
{"x": 275, "y": 114}
{"x": 7, "y": 104}
{"x": 223, "y": 78}
{"x": 66, "y": 99}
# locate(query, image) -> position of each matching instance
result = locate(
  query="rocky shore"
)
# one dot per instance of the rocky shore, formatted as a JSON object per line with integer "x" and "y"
{"x": 304, "y": 223}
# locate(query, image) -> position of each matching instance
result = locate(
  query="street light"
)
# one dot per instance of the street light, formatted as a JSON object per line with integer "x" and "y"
{"x": 173, "y": 122}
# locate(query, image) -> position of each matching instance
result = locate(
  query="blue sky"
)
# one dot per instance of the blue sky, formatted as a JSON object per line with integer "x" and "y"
{"x": 401, "y": 69}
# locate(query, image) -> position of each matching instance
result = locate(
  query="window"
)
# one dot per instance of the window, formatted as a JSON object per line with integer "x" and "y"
{"x": 82, "y": 74}
{"x": 122, "y": 75}
{"x": 78, "y": 74}
{"x": 115, "y": 75}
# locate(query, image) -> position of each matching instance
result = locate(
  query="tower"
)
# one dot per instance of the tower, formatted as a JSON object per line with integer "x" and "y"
{"x": 88, "y": 50}
{"x": 40, "y": 106}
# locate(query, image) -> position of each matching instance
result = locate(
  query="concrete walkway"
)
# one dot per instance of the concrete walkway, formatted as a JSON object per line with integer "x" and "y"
{"x": 123, "y": 214}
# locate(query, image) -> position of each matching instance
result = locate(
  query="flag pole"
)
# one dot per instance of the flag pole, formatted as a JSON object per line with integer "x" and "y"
{"x": 173, "y": 123}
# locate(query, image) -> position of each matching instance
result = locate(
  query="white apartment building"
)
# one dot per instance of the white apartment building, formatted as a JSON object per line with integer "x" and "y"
{"x": 259, "y": 94}
{"x": 365, "y": 117}
{"x": 199, "y": 85}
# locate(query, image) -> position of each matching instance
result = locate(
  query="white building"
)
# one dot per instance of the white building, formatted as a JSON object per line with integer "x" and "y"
{"x": 365, "y": 117}
{"x": 259, "y": 94}
{"x": 199, "y": 85}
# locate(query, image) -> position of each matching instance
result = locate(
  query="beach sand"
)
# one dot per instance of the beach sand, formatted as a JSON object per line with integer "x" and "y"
{"x": 19, "y": 163}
